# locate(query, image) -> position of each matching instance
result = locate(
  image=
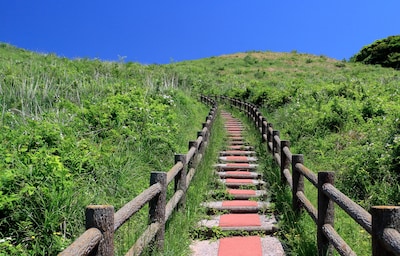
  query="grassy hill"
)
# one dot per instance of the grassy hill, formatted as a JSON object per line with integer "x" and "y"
{"x": 80, "y": 132}
{"x": 342, "y": 116}
{"x": 77, "y": 132}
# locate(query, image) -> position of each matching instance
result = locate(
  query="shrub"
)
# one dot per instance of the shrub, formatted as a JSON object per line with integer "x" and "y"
{"x": 385, "y": 52}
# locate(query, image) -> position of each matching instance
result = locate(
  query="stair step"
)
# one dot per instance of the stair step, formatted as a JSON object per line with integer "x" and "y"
{"x": 238, "y": 206}
{"x": 238, "y": 159}
{"x": 240, "y": 147}
{"x": 249, "y": 222}
{"x": 236, "y": 166}
{"x": 237, "y": 153}
{"x": 239, "y": 175}
{"x": 245, "y": 193}
{"x": 235, "y": 138}
{"x": 234, "y": 183}
{"x": 238, "y": 246}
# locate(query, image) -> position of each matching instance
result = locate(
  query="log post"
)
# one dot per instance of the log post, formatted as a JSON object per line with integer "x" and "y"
{"x": 205, "y": 135}
{"x": 157, "y": 207}
{"x": 269, "y": 137}
{"x": 192, "y": 162}
{"x": 383, "y": 217}
{"x": 298, "y": 183}
{"x": 326, "y": 213}
{"x": 102, "y": 218}
{"x": 274, "y": 143}
{"x": 285, "y": 161}
{"x": 263, "y": 128}
{"x": 180, "y": 179}
{"x": 201, "y": 147}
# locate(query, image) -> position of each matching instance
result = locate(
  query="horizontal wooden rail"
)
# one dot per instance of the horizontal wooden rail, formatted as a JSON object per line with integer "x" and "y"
{"x": 129, "y": 209}
{"x": 359, "y": 214}
{"x": 102, "y": 222}
{"x": 383, "y": 223}
{"x": 174, "y": 171}
{"x": 85, "y": 243}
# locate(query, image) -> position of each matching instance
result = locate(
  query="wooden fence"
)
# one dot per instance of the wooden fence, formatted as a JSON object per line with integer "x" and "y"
{"x": 383, "y": 223}
{"x": 102, "y": 221}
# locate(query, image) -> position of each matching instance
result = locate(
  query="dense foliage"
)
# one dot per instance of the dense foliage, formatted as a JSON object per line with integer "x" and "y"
{"x": 341, "y": 116}
{"x": 385, "y": 52}
{"x": 81, "y": 132}
{"x": 73, "y": 131}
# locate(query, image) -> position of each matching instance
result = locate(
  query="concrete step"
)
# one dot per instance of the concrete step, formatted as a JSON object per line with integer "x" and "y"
{"x": 249, "y": 222}
{"x": 237, "y": 153}
{"x": 238, "y": 246}
{"x": 238, "y": 159}
{"x": 239, "y": 175}
{"x": 235, "y": 166}
{"x": 237, "y": 206}
{"x": 239, "y": 147}
{"x": 244, "y": 194}
{"x": 235, "y": 183}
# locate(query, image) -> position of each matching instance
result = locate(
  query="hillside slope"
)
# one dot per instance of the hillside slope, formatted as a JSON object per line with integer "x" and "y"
{"x": 80, "y": 132}
{"x": 74, "y": 130}
{"x": 342, "y": 116}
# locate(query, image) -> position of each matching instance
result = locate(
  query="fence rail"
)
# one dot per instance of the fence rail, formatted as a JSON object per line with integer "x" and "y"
{"x": 383, "y": 223}
{"x": 102, "y": 221}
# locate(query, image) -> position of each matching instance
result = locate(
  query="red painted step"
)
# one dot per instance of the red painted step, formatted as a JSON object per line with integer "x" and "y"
{"x": 244, "y": 203}
{"x": 241, "y": 192}
{"x": 239, "y": 220}
{"x": 241, "y": 181}
{"x": 237, "y": 153}
{"x": 240, "y": 246}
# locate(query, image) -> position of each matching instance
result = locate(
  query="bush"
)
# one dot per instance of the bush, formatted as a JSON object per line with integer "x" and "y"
{"x": 384, "y": 52}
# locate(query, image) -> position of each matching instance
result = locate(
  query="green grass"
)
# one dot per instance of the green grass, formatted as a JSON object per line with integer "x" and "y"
{"x": 80, "y": 132}
{"x": 71, "y": 127}
{"x": 181, "y": 227}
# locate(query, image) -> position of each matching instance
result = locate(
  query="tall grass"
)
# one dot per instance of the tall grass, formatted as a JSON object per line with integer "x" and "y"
{"x": 79, "y": 132}
{"x": 180, "y": 228}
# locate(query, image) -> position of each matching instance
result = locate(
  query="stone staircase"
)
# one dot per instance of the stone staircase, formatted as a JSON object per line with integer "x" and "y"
{"x": 242, "y": 216}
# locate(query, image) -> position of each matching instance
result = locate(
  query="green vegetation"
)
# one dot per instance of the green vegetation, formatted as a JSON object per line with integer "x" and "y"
{"x": 341, "y": 116}
{"x": 73, "y": 131}
{"x": 81, "y": 132}
{"x": 384, "y": 52}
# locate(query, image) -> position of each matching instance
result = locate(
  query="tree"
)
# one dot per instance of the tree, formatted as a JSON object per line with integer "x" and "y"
{"x": 385, "y": 52}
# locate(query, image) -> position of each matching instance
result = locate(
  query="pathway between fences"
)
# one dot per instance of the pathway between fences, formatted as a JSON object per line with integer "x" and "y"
{"x": 242, "y": 218}
{"x": 245, "y": 210}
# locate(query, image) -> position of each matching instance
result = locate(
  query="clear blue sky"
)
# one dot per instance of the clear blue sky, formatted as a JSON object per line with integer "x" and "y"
{"x": 149, "y": 31}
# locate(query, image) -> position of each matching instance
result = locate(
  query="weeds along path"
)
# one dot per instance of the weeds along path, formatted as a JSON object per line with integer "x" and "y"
{"x": 240, "y": 221}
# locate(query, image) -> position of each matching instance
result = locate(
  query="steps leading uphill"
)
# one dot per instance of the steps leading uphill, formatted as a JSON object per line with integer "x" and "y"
{"x": 242, "y": 217}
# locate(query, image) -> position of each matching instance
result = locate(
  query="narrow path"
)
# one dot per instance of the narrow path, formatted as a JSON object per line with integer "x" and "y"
{"x": 242, "y": 217}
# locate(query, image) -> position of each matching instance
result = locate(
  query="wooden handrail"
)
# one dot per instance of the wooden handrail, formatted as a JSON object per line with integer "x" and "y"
{"x": 159, "y": 210}
{"x": 385, "y": 230}
{"x": 129, "y": 209}
{"x": 84, "y": 244}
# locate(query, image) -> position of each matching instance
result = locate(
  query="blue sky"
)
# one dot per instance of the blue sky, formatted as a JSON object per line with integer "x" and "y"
{"x": 176, "y": 30}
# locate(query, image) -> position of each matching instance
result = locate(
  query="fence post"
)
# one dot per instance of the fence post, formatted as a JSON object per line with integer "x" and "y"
{"x": 203, "y": 144}
{"x": 298, "y": 182}
{"x": 274, "y": 143}
{"x": 157, "y": 206}
{"x": 263, "y": 128}
{"x": 383, "y": 217}
{"x": 285, "y": 161}
{"x": 205, "y": 135}
{"x": 192, "y": 162}
{"x": 102, "y": 218}
{"x": 260, "y": 124}
{"x": 269, "y": 137}
{"x": 326, "y": 213}
{"x": 180, "y": 179}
